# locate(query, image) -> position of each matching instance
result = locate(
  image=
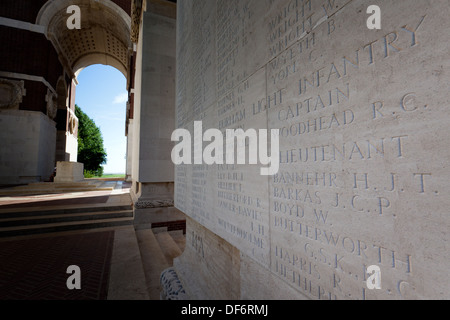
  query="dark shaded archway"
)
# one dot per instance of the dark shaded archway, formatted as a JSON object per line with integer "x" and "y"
{"x": 42, "y": 59}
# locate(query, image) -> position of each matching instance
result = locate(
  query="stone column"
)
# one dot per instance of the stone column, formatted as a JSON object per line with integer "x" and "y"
{"x": 129, "y": 165}
{"x": 154, "y": 115}
{"x": 69, "y": 172}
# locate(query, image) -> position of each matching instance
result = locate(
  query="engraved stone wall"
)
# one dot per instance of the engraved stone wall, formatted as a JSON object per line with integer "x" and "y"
{"x": 363, "y": 123}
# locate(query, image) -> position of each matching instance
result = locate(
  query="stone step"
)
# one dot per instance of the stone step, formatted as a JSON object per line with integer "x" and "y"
{"x": 153, "y": 260}
{"x": 159, "y": 230}
{"x": 168, "y": 246}
{"x": 60, "y": 210}
{"x": 55, "y": 188}
{"x": 36, "y": 185}
{"x": 179, "y": 238}
{"x": 23, "y": 221}
{"x": 63, "y": 227}
{"x": 34, "y": 192}
{"x": 42, "y": 192}
{"x": 60, "y": 218}
{"x": 127, "y": 279}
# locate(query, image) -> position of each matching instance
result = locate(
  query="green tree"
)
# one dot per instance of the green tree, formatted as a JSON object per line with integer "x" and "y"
{"x": 91, "y": 151}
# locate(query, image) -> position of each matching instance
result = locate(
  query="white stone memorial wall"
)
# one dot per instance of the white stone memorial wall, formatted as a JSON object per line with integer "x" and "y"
{"x": 363, "y": 121}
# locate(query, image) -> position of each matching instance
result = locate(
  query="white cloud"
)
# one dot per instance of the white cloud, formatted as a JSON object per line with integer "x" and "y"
{"x": 122, "y": 98}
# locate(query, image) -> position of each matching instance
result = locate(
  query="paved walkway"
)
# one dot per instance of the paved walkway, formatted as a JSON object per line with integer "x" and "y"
{"x": 35, "y": 267}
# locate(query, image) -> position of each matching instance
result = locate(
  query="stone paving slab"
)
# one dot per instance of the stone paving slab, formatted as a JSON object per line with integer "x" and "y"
{"x": 36, "y": 269}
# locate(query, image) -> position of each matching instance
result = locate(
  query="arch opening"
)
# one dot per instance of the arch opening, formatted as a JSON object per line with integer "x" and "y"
{"x": 102, "y": 96}
{"x": 104, "y": 37}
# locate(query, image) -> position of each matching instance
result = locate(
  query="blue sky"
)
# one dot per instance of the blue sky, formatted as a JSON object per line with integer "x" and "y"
{"x": 102, "y": 95}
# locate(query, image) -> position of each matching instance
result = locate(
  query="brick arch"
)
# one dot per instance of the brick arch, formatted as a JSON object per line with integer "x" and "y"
{"x": 125, "y": 5}
{"x": 62, "y": 93}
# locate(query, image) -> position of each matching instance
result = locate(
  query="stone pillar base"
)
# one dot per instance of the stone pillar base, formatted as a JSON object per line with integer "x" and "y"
{"x": 147, "y": 195}
{"x": 28, "y": 147}
{"x": 68, "y": 172}
{"x": 153, "y": 204}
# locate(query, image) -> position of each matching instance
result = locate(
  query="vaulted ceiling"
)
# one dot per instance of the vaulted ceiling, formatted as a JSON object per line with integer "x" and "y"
{"x": 104, "y": 37}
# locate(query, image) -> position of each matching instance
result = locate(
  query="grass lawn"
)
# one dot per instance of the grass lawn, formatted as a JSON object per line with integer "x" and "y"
{"x": 113, "y": 176}
{"x": 110, "y": 176}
